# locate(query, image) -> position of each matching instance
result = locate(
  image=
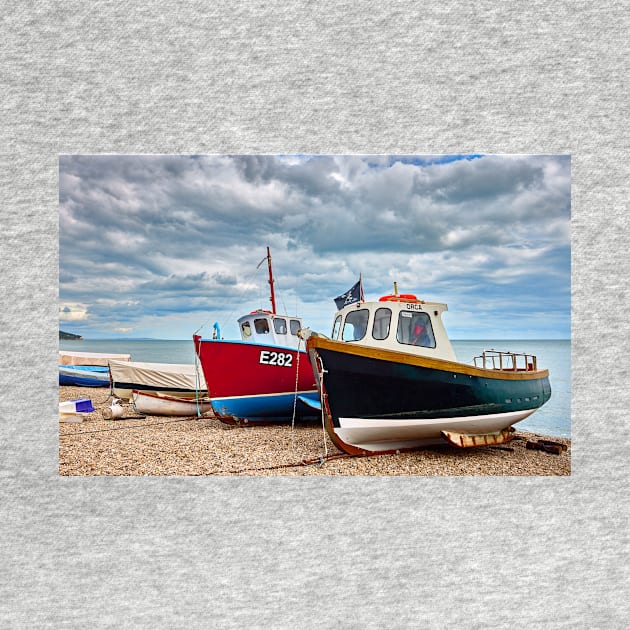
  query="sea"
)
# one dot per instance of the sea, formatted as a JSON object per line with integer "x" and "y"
{"x": 553, "y": 418}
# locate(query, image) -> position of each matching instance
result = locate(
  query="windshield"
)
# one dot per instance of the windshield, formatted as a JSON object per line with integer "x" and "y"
{"x": 355, "y": 325}
{"x": 335, "y": 330}
{"x": 261, "y": 326}
{"x": 382, "y": 319}
{"x": 295, "y": 326}
{"x": 415, "y": 329}
{"x": 280, "y": 325}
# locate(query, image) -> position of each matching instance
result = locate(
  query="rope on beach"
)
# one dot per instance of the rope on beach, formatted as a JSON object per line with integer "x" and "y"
{"x": 135, "y": 426}
{"x": 102, "y": 402}
{"x": 319, "y": 460}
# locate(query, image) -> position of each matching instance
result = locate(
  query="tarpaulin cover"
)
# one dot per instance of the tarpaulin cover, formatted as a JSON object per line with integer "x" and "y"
{"x": 89, "y": 358}
{"x": 163, "y": 377}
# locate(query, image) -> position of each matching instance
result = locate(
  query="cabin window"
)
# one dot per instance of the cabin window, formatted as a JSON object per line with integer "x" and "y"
{"x": 355, "y": 325}
{"x": 261, "y": 326}
{"x": 415, "y": 329}
{"x": 246, "y": 330}
{"x": 382, "y": 320}
{"x": 335, "y": 330}
{"x": 280, "y": 325}
{"x": 295, "y": 325}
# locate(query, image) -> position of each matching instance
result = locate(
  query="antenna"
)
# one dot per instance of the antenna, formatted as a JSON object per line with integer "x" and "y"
{"x": 273, "y": 295}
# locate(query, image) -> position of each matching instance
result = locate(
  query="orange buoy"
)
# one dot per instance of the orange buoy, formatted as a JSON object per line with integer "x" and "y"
{"x": 401, "y": 297}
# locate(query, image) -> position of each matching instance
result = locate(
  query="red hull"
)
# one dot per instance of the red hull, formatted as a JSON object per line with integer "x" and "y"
{"x": 246, "y": 369}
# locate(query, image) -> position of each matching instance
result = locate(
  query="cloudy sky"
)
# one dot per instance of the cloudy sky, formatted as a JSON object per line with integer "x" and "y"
{"x": 161, "y": 245}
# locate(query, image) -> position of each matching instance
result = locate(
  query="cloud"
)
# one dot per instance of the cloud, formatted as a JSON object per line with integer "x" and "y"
{"x": 72, "y": 312}
{"x": 143, "y": 238}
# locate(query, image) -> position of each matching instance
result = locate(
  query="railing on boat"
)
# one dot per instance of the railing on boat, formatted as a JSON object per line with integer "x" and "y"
{"x": 508, "y": 361}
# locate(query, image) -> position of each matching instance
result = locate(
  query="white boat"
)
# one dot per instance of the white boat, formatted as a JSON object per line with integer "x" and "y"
{"x": 389, "y": 380}
{"x": 151, "y": 404}
{"x": 166, "y": 379}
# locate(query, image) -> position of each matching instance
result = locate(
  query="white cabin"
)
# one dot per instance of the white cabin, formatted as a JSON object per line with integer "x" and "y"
{"x": 396, "y": 322}
{"x": 267, "y": 328}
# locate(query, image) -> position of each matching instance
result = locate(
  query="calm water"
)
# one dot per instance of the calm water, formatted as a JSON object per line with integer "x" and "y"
{"x": 554, "y": 418}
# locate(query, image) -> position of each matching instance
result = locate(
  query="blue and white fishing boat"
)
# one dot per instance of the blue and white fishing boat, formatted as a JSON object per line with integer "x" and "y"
{"x": 86, "y": 369}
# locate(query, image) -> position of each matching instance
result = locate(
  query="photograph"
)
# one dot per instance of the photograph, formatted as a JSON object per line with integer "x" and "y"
{"x": 313, "y": 314}
{"x": 336, "y": 296}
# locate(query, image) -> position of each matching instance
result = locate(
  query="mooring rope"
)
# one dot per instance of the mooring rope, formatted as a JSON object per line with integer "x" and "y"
{"x": 297, "y": 377}
{"x": 319, "y": 460}
{"x": 197, "y": 384}
{"x": 135, "y": 426}
{"x": 320, "y": 377}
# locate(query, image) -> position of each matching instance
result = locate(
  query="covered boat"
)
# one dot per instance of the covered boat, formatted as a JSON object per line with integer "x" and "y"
{"x": 167, "y": 379}
{"x": 86, "y": 369}
{"x": 389, "y": 380}
{"x": 102, "y": 359}
{"x": 263, "y": 377}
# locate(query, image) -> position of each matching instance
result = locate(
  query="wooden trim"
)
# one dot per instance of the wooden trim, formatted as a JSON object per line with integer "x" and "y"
{"x": 395, "y": 356}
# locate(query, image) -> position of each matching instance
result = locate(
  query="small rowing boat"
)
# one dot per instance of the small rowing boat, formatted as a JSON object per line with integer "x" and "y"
{"x": 151, "y": 404}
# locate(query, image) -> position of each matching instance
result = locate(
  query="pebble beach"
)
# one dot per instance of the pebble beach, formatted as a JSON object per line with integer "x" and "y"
{"x": 136, "y": 445}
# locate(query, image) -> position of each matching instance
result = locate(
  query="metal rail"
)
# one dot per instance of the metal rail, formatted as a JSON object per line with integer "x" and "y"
{"x": 506, "y": 361}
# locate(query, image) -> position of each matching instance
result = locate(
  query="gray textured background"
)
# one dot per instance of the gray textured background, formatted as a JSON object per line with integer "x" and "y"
{"x": 321, "y": 77}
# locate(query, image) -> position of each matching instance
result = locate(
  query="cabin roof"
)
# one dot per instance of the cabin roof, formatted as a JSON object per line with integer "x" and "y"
{"x": 397, "y": 302}
{"x": 397, "y": 322}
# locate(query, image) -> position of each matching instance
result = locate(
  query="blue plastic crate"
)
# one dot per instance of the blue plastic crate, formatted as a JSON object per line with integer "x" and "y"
{"x": 83, "y": 405}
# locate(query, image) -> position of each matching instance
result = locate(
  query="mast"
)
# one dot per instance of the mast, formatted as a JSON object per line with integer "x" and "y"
{"x": 273, "y": 295}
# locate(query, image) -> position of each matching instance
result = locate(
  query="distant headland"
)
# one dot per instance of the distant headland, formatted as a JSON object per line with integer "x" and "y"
{"x": 69, "y": 336}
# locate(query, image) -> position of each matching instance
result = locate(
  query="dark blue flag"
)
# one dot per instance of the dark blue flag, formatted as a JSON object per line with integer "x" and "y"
{"x": 355, "y": 294}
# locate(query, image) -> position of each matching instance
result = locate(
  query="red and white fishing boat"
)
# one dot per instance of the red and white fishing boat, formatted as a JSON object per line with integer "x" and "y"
{"x": 263, "y": 377}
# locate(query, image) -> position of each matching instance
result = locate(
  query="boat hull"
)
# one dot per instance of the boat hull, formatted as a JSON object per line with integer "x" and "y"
{"x": 251, "y": 383}
{"x": 156, "y": 405}
{"x": 84, "y": 375}
{"x": 382, "y": 401}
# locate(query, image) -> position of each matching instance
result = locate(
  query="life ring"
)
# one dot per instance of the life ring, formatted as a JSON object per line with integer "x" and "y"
{"x": 401, "y": 297}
